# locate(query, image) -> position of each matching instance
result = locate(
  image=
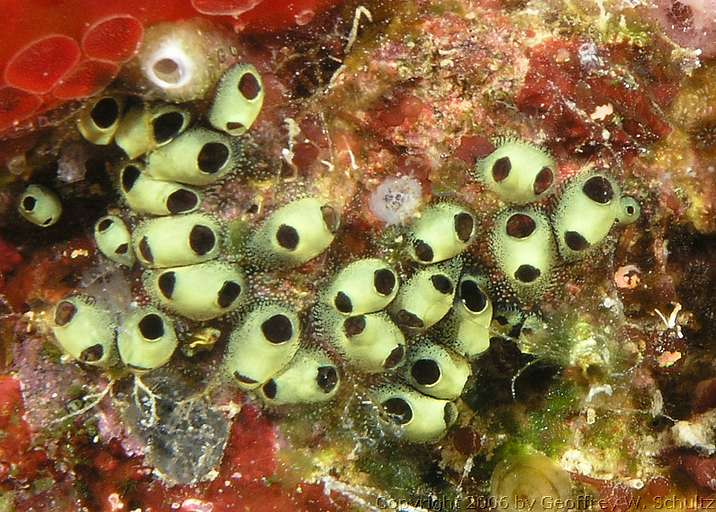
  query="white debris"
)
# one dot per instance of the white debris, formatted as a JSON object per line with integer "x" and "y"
{"x": 602, "y": 112}
{"x": 396, "y": 199}
{"x": 694, "y": 435}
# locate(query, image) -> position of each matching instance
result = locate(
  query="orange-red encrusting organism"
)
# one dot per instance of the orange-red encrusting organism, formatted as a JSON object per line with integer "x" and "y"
{"x": 38, "y": 66}
{"x": 88, "y": 78}
{"x": 264, "y": 15}
{"x": 276, "y": 15}
{"x": 224, "y": 7}
{"x": 114, "y": 39}
{"x": 16, "y": 105}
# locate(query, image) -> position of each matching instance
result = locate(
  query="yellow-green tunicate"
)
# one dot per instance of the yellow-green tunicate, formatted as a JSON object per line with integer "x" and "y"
{"x": 412, "y": 416}
{"x": 100, "y": 120}
{"x": 114, "y": 240}
{"x": 435, "y": 370}
{"x": 529, "y": 477}
{"x": 370, "y": 343}
{"x": 426, "y": 297}
{"x": 197, "y": 157}
{"x": 468, "y": 327}
{"x": 177, "y": 240}
{"x": 84, "y": 330}
{"x": 523, "y": 247}
{"x": 364, "y": 286}
{"x": 40, "y": 205}
{"x": 311, "y": 377}
{"x": 146, "y": 339}
{"x": 295, "y": 233}
{"x": 263, "y": 345}
{"x": 518, "y": 172}
{"x": 471, "y": 300}
{"x": 630, "y": 210}
{"x": 198, "y": 292}
{"x": 442, "y": 231}
{"x": 144, "y": 128}
{"x": 147, "y": 195}
{"x": 238, "y": 100}
{"x": 589, "y": 207}
{"x": 132, "y": 135}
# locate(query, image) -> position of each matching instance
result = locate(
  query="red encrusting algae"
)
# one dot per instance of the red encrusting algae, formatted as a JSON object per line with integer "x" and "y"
{"x": 42, "y": 275}
{"x": 243, "y": 481}
{"x": 582, "y": 104}
{"x": 17, "y": 461}
{"x": 9, "y": 259}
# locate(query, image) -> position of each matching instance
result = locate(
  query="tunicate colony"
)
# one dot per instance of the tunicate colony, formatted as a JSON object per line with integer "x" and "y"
{"x": 416, "y": 327}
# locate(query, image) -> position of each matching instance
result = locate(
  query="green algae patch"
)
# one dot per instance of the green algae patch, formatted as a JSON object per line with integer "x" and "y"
{"x": 237, "y": 231}
{"x": 7, "y": 502}
{"x": 548, "y": 427}
{"x": 611, "y": 436}
{"x": 396, "y": 469}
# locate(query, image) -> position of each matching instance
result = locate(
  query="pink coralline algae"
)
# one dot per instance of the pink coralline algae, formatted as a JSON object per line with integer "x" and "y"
{"x": 690, "y": 23}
